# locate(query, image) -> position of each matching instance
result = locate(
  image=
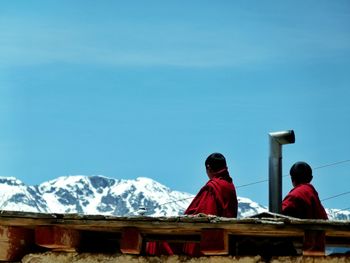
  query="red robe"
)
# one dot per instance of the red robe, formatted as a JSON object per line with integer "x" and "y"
{"x": 303, "y": 202}
{"x": 217, "y": 197}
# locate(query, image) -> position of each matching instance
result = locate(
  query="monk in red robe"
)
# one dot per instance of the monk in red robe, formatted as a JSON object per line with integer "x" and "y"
{"x": 303, "y": 202}
{"x": 217, "y": 197}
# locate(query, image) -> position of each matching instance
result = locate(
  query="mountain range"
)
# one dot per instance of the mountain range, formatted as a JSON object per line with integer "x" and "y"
{"x": 106, "y": 196}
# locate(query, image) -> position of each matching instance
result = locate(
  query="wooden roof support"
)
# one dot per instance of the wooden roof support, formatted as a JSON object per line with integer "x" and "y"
{"x": 214, "y": 242}
{"x": 15, "y": 242}
{"x": 131, "y": 241}
{"x": 66, "y": 232}
{"x": 57, "y": 238}
{"x": 314, "y": 243}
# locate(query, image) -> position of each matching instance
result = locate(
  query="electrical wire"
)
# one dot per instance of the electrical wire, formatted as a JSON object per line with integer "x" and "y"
{"x": 334, "y": 196}
{"x": 266, "y": 180}
{"x": 319, "y": 167}
{"x": 331, "y": 164}
{"x": 249, "y": 184}
{"x": 177, "y": 200}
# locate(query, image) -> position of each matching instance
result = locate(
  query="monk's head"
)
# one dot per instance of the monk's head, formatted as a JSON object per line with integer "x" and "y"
{"x": 215, "y": 163}
{"x": 301, "y": 173}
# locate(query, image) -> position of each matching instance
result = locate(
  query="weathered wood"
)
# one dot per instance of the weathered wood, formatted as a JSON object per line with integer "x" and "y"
{"x": 214, "y": 242}
{"x": 266, "y": 225}
{"x": 15, "y": 242}
{"x": 58, "y": 238}
{"x": 131, "y": 241}
{"x": 314, "y": 243}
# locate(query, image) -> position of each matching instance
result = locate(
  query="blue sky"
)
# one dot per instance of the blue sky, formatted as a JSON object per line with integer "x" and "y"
{"x": 150, "y": 88}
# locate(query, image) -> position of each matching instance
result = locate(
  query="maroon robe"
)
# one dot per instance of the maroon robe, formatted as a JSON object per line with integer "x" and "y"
{"x": 217, "y": 197}
{"x": 303, "y": 202}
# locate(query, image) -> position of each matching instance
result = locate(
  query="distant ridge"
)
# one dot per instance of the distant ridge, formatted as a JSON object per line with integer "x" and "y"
{"x": 107, "y": 196}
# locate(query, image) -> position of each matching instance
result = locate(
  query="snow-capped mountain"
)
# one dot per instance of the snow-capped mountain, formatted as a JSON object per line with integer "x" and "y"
{"x": 102, "y": 195}
{"x": 338, "y": 214}
{"x": 107, "y": 196}
{"x": 247, "y": 207}
{"x": 16, "y": 196}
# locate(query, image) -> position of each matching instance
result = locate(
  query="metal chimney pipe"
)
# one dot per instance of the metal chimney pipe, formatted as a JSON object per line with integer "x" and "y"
{"x": 277, "y": 139}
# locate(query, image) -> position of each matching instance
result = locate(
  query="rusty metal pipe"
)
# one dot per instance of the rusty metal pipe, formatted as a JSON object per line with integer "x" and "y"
{"x": 277, "y": 139}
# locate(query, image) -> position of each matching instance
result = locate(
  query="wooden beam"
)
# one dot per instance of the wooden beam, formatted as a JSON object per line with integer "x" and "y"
{"x": 189, "y": 225}
{"x": 15, "y": 242}
{"x": 131, "y": 241}
{"x": 214, "y": 242}
{"x": 175, "y": 228}
{"x": 57, "y": 238}
{"x": 314, "y": 243}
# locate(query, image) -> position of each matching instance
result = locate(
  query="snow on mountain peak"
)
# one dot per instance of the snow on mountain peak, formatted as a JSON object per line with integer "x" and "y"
{"x": 10, "y": 181}
{"x": 248, "y": 208}
{"x": 98, "y": 194}
{"x": 14, "y": 192}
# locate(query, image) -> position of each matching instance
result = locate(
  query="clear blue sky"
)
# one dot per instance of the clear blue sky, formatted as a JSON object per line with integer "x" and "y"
{"x": 150, "y": 88}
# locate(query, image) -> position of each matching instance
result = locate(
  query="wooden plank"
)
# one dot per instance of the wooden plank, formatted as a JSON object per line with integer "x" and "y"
{"x": 131, "y": 241}
{"x": 192, "y": 228}
{"x": 58, "y": 238}
{"x": 10, "y": 215}
{"x": 214, "y": 242}
{"x": 15, "y": 242}
{"x": 190, "y": 225}
{"x": 58, "y": 227}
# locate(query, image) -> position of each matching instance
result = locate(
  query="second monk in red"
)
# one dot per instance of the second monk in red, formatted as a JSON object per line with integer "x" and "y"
{"x": 218, "y": 196}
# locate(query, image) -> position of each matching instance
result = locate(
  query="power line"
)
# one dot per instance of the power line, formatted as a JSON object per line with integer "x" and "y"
{"x": 331, "y": 164}
{"x": 266, "y": 180}
{"x": 249, "y": 184}
{"x": 177, "y": 200}
{"x": 334, "y": 196}
{"x": 319, "y": 167}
